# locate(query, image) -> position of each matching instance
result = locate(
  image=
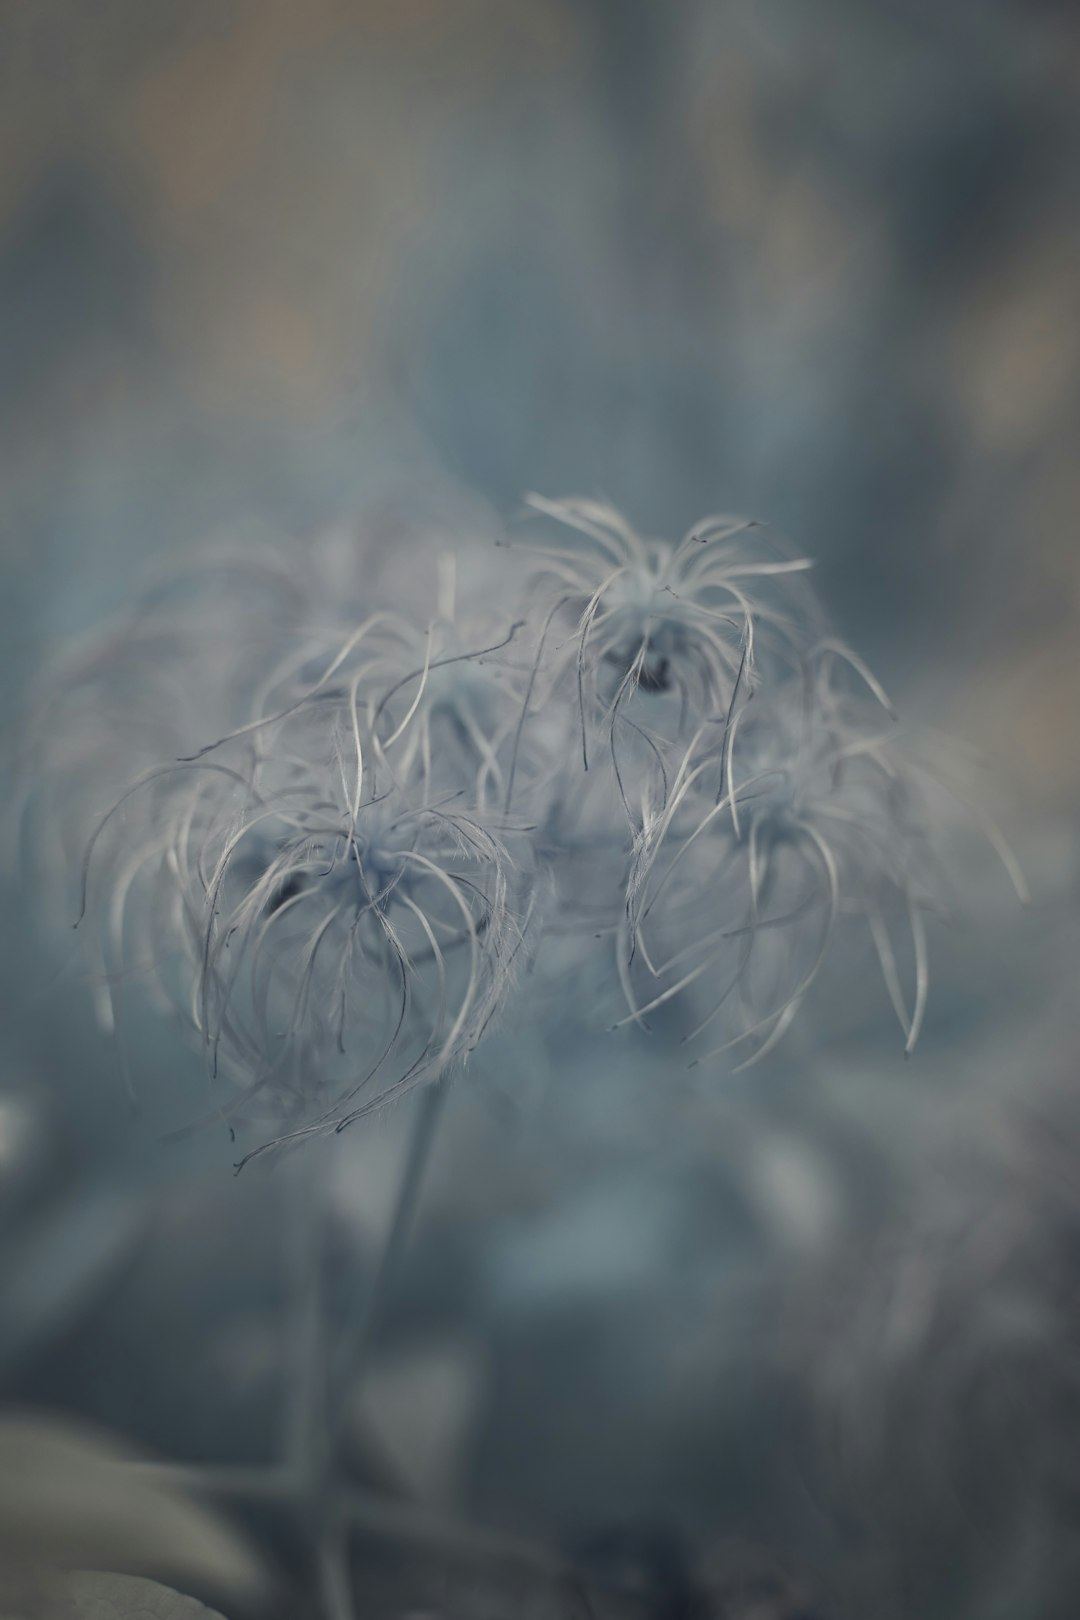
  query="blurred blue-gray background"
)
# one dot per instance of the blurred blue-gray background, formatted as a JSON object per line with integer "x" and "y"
{"x": 268, "y": 263}
{"x": 813, "y": 261}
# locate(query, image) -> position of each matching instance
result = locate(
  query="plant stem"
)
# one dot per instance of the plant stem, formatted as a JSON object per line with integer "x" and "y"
{"x": 306, "y": 1412}
{"x": 361, "y": 1330}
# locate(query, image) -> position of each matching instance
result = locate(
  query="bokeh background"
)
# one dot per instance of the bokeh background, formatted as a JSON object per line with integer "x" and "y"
{"x": 265, "y": 266}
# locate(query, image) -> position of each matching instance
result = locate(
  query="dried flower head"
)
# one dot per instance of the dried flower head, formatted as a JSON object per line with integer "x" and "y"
{"x": 652, "y": 637}
{"x": 798, "y": 815}
{"x": 339, "y": 823}
{"x": 334, "y": 930}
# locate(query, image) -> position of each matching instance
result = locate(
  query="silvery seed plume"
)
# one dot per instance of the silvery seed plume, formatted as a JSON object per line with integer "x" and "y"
{"x": 936, "y": 1352}
{"x": 440, "y": 702}
{"x": 799, "y": 815}
{"x": 335, "y": 924}
{"x": 642, "y": 639}
{"x": 148, "y": 686}
{"x": 340, "y": 820}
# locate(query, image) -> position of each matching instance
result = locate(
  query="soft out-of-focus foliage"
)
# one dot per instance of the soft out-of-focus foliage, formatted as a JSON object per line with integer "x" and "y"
{"x": 128, "y": 1597}
{"x": 70, "y": 1499}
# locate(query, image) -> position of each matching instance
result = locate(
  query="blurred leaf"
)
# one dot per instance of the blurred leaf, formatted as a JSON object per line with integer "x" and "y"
{"x": 72, "y": 1499}
{"x": 92, "y": 1596}
{"x": 419, "y": 1408}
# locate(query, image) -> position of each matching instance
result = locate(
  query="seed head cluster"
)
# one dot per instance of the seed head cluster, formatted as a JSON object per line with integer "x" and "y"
{"x": 333, "y": 833}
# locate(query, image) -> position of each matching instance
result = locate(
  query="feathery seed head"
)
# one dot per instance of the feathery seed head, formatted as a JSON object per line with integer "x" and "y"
{"x": 338, "y": 830}
{"x": 328, "y": 950}
{"x": 686, "y": 619}
{"x": 808, "y": 814}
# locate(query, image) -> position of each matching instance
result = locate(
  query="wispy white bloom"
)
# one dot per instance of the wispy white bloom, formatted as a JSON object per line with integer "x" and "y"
{"x": 801, "y": 814}
{"x": 647, "y": 638}
{"x": 323, "y": 829}
{"x": 333, "y": 937}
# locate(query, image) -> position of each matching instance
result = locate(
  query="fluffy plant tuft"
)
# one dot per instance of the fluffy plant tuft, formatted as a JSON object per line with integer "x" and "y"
{"x": 332, "y": 832}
